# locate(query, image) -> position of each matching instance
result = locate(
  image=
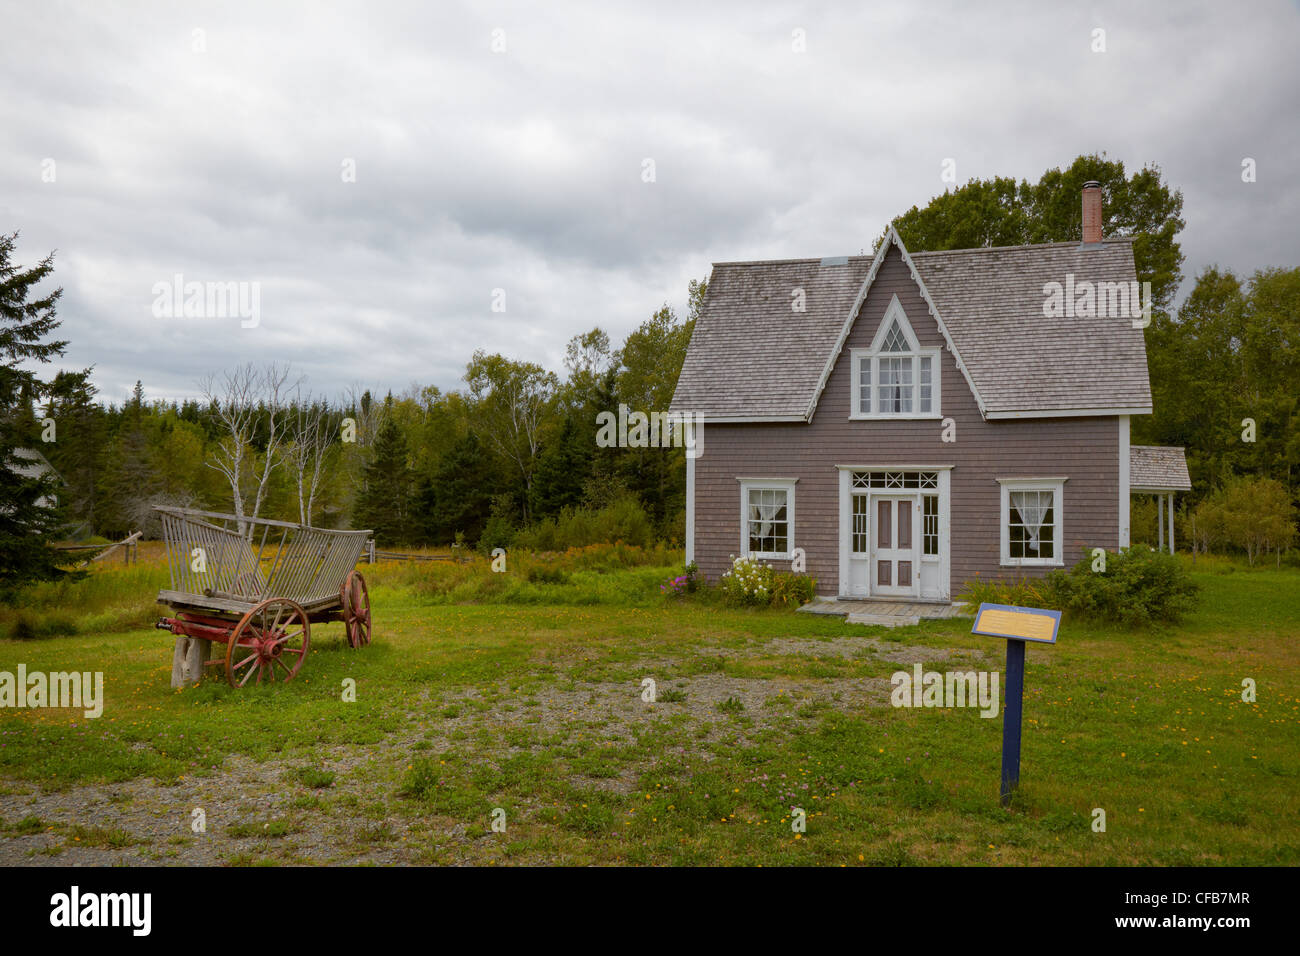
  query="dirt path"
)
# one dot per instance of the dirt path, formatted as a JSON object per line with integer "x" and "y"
{"x": 266, "y": 811}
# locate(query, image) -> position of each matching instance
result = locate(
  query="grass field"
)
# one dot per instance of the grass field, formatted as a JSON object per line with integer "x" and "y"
{"x": 527, "y": 708}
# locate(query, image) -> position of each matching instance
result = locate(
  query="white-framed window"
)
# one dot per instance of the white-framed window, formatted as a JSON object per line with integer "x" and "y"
{"x": 930, "y": 527}
{"x": 1032, "y": 521}
{"x": 895, "y": 378}
{"x": 767, "y": 517}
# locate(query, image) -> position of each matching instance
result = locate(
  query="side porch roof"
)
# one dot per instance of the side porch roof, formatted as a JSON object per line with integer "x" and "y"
{"x": 1158, "y": 469}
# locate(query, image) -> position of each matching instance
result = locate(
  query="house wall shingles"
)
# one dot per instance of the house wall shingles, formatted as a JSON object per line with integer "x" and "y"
{"x": 1085, "y": 450}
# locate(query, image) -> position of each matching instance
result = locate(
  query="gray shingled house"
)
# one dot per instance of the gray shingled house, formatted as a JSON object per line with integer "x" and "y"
{"x": 908, "y": 421}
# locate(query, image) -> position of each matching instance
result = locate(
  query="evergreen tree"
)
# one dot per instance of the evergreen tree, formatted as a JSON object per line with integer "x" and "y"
{"x": 563, "y": 469}
{"x": 384, "y": 504}
{"x": 27, "y": 518}
{"x": 605, "y": 483}
{"x": 79, "y": 449}
{"x": 457, "y": 498}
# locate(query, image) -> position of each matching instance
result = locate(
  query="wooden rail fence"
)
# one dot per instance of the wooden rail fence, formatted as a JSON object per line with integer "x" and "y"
{"x": 130, "y": 546}
{"x": 373, "y": 554}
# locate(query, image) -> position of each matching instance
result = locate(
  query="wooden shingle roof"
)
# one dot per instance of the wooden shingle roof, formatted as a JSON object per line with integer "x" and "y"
{"x": 1158, "y": 468}
{"x": 752, "y": 357}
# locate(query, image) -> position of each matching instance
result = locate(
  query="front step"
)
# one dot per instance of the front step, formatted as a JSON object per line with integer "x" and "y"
{"x": 883, "y": 620}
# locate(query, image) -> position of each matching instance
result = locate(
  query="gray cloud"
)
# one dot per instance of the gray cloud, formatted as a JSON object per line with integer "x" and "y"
{"x": 522, "y": 169}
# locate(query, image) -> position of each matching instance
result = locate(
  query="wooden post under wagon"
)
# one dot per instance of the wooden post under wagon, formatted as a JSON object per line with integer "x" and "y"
{"x": 188, "y": 658}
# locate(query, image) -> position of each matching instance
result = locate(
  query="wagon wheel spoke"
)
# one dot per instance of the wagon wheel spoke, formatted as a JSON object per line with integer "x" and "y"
{"x": 255, "y": 668}
{"x": 279, "y": 616}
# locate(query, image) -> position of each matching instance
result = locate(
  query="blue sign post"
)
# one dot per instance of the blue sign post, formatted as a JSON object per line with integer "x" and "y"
{"x": 1018, "y": 625}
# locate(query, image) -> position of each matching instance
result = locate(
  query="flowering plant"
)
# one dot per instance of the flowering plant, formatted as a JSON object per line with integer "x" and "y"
{"x": 748, "y": 582}
{"x": 674, "y": 585}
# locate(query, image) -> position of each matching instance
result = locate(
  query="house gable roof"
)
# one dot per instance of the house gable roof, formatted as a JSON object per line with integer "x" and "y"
{"x": 753, "y": 358}
{"x": 891, "y": 241}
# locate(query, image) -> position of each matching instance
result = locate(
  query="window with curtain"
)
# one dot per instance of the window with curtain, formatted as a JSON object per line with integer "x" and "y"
{"x": 1031, "y": 525}
{"x": 895, "y": 378}
{"x": 769, "y": 519}
{"x": 1031, "y": 521}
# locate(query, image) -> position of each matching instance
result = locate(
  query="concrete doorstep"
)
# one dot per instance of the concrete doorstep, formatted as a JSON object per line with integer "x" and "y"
{"x": 884, "y": 613}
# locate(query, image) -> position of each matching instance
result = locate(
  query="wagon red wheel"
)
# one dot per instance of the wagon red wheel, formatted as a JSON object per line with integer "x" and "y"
{"x": 269, "y": 643}
{"x": 355, "y": 597}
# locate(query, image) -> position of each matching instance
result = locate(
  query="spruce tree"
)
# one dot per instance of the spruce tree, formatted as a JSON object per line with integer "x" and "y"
{"x": 384, "y": 504}
{"x": 458, "y": 496}
{"x": 562, "y": 470}
{"x": 27, "y": 320}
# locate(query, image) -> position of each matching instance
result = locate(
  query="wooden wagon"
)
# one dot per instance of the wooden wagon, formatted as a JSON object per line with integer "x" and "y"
{"x": 256, "y": 586}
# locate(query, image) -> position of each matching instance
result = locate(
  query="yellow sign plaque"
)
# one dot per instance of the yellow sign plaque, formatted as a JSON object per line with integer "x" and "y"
{"x": 1017, "y": 623}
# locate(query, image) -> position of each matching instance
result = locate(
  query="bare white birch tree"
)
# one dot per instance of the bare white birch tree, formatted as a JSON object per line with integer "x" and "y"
{"x": 244, "y": 398}
{"x": 310, "y": 440}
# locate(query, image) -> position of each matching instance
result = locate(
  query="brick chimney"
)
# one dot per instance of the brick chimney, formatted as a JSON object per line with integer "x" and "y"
{"x": 1091, "y": 212}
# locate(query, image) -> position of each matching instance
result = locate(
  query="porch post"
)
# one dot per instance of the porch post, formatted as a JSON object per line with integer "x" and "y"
{"x": 846, "y": 529}
{"x": 1124, "y": 481}
{"x": 1160, "y": 521}
{"x": 690, "y": 439}
{"x": 1171, "y": 522}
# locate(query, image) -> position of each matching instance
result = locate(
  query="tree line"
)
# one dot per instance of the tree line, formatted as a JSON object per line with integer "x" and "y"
{"x": 516, "y": 445}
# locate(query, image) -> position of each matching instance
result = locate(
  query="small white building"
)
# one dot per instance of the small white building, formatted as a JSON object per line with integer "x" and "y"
{"x": 32, "y": 464}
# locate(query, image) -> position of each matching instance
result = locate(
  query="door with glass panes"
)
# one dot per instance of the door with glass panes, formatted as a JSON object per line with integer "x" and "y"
{"x": 894, "y": 544}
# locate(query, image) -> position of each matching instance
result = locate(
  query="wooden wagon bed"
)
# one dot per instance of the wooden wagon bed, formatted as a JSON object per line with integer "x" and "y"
{"x": 326, "y": 609}
{"x": 257, "y": 585}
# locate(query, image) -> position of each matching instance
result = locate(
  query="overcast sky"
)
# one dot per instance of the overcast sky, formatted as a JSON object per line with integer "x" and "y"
{"x": 222, "y": 154}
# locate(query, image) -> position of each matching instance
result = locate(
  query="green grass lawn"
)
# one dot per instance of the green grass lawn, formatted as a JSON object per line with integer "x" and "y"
{"x": 535, "y": 709}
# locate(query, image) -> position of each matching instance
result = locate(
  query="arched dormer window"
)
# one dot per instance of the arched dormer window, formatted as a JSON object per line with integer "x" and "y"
{"x": 896, "y": 377}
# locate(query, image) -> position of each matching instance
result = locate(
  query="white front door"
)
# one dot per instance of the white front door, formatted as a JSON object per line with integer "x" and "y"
{"x": 909, "y": 557}
{"x": 894, "y": 538}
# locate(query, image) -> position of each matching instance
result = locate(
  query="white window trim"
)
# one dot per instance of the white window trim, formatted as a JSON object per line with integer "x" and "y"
{"x": 873, "y": 356}
{"x": 924, "y": 493}
{"x": 783, "y": 484}
{"x": 1057, "y": 487}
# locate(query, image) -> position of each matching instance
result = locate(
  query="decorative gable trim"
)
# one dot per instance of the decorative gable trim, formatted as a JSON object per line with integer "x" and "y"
{"x": 882, "y": 250}
{"x": 895, "y": 313}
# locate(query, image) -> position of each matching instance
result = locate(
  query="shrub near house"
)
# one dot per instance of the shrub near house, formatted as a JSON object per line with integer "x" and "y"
{"x": 1136, "y": 587}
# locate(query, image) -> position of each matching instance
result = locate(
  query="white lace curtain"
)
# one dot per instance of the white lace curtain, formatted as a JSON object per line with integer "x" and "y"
{"x": 764, "y": 506}
{"x": 1032, "y": 507}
